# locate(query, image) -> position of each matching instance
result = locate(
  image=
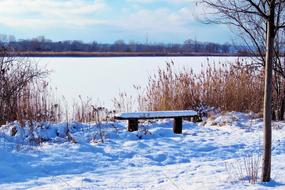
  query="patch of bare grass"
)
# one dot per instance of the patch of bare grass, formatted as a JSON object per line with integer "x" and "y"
{"x": 244, "y": 169}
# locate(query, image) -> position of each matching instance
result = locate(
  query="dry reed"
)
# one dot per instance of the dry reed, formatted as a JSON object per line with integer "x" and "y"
{"x": 230, "y": 87}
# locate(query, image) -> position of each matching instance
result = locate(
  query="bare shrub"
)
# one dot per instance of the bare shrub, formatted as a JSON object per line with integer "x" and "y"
{"x": 277, "y": 126}
{"x": 83, "y": 111}
{"x": 124, "y": 102}
{"x": 23, "y": 92}
{"x": 96, "y": 117}
{"x": 86, "y": 111}
{"x": 143, "y": 131}
{"x": 245, "y": 169}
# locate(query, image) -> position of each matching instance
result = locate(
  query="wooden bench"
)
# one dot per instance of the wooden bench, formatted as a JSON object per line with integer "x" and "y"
{"x": 134, "y": 117}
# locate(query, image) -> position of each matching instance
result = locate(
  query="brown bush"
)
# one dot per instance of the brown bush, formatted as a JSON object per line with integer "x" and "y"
{"x": 20, "y": 88}
{"x": 26, "y": 96}
{"x": 37, "y": 103}
{"x": 231, "y": 87}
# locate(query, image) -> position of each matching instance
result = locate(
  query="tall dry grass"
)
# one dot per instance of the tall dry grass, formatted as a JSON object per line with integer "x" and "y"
{"x": 23, "y": 91}
{"x": 230, "y": 87}
{"x": 244, "y": 169}
{"x": 86, "y": 111}
{"x": 124, "y": 102}
{"x": 37, "y": 102}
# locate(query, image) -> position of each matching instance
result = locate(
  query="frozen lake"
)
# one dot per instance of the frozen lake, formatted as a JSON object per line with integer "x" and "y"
{"x": 103, "y": 78}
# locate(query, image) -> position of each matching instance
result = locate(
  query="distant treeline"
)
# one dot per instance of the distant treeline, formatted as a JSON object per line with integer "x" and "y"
{"x": 41, "y": 44}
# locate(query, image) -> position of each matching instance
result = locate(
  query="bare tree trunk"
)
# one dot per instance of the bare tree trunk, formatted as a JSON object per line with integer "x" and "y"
{"x": 274, "y": 117}
{"x": 267, "y": 115}
{"x": 282, "y": 109}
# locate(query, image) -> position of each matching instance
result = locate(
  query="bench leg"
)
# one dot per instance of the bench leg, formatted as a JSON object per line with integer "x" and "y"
{"x": 177, "y": 125}
{"x": 133, "y": 125}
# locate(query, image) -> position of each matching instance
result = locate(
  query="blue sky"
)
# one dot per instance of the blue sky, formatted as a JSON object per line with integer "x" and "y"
{"x": 165, "y": 21}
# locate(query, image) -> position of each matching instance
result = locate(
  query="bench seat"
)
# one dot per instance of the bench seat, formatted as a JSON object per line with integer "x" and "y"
{"x": 178, "y": 116}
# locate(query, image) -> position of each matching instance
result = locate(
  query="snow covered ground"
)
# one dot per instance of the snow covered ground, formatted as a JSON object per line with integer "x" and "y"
{"x": 206, "y": 156}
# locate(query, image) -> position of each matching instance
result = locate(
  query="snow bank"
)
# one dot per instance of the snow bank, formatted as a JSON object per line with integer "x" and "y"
{"x": 106, "y": 156}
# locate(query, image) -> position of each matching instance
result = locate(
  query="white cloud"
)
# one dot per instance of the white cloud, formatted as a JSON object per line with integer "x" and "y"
{"x": 181, "y": 1}
{"x": 142, "y": 1}
{"x": 135, "y": 19}
{"x": 164, "y": 18}
{"x": 159, "y": 20}
{"x": 40, "y": 13}
{"x": 161, "y": 1}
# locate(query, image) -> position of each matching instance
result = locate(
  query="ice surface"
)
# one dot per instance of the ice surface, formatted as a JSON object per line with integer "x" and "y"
{"x": 102, "y": 78}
